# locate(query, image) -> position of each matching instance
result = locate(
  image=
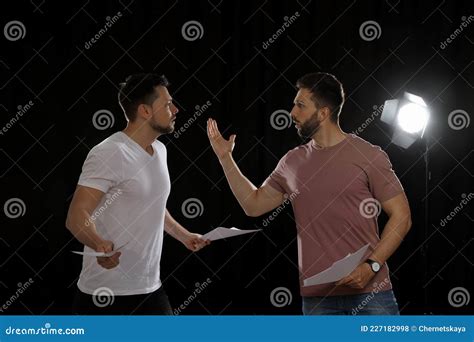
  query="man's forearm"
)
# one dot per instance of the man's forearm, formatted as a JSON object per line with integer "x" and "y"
{"x": 241, "y": 187}
{"x": 83, "y": 228}
{"x": 173, "y": 228}
{"x": 392, "y": 236}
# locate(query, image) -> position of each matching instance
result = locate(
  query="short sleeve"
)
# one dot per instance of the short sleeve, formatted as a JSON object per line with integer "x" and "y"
{"x": 383, "y": 182}
{"x": 277, "y": 179}
{"x": 102, "y": 169}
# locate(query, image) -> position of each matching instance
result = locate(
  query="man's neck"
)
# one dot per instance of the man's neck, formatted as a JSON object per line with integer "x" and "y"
{"x": 141, "y": 134}
{"x": 328, "y": 136}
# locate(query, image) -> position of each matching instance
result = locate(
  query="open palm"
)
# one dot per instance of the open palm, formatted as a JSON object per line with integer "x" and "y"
{"x": 221, "y": 146}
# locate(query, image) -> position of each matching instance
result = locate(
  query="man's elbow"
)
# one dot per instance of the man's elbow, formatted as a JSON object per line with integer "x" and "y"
{"x": 67, "y": 224}
{"x": 252, "y": 212}
{"x": 404, "y": 223}
{"x": 250, "y": 205}
{"x": 408, "y": 223}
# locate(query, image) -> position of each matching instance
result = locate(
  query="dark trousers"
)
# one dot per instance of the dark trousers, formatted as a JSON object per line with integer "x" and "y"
{"x": 154, "y": 303}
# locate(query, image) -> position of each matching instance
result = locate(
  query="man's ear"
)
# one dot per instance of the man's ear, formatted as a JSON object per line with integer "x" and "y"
{"x": 324, "y": 112}
{"x": 143, "y": 111}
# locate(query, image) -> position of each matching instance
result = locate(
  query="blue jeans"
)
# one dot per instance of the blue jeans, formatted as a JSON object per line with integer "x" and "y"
{"x": 380, "y": 303}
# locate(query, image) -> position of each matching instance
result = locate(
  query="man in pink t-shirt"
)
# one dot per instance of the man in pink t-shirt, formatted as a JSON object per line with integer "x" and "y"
{"x": 337, "y": 184}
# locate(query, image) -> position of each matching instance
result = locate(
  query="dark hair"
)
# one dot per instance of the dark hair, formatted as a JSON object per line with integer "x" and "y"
{"x": 138, "y": 89}
{"x": 326, "y": 91}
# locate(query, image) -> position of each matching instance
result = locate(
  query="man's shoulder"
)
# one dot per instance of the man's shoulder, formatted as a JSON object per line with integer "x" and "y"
{"x": 113, "y": 145}
{"x": 363, "y": 145}
{"x": 296, "y": 152}
{"x": 159, "y": 146}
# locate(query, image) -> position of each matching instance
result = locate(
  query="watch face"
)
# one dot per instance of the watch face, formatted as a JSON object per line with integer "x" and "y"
{"x": 376, "y": 266}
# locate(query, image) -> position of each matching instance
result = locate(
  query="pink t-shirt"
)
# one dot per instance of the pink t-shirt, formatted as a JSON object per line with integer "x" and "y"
{"x": 334, "y": 192}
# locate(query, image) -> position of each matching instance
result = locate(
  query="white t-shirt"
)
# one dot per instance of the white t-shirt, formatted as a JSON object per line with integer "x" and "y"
{"x": 137, "y": 186}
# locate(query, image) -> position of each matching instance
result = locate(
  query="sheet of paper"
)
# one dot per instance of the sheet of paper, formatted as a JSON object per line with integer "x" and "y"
{"x": 101, "y": 254}
{"x": 338, "y": 270}
{"x": 222, "y": 233}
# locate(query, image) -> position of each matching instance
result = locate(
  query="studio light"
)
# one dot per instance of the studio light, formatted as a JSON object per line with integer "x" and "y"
{"x": 408, "y": 116}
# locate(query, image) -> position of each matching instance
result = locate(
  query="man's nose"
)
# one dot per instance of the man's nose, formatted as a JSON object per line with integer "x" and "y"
{"x": 293, "y": 114}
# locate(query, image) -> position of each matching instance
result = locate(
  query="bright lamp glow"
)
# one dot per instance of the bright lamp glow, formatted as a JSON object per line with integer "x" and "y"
{"x": 408, "y": 116}
{"x": 412, "y": 118}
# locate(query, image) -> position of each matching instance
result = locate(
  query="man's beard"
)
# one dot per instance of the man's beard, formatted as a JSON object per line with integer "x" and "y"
{"x": 162, "y": 129}
{"x": 308, "y": 129}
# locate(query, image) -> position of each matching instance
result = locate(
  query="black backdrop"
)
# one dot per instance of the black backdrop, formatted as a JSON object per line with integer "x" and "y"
{"x": 245, "y": 81}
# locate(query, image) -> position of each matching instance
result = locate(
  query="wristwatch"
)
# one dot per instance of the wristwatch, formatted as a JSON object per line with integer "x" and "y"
{"x": 374, "y": 265}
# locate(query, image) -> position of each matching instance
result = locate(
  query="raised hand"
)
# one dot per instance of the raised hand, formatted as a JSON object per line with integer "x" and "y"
{"x": 222, "y": 147}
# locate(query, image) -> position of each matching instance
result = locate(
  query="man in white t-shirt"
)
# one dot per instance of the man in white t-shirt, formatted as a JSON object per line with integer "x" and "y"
{"x": 119, "y": 207}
